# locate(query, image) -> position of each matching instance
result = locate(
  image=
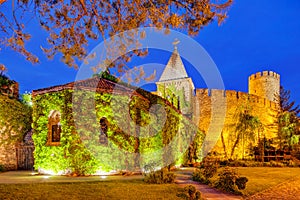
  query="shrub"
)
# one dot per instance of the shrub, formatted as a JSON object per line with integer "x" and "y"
{"x": 206, "y": 171}
{"x": 190, "y": 193}
{"x": 224, "y": 163}
{"x": 293, "y": 163}
{"x": 159, "y": 177}
{"x": 273, "y": 163}
{"x": 230, "y": 181}
{"x": 241, "y": 182}
{"x": 2, "y": 168}
{"x": 198, "y": 175}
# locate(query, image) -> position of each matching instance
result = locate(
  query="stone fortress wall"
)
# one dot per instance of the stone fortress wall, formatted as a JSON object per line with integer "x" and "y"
{"x": 208, "y": 105}
{"x": 8, "y": 157}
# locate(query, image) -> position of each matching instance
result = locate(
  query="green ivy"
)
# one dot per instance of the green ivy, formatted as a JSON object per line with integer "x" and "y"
{"x": 80, "y": 152}
{"x": 15, "y": 119}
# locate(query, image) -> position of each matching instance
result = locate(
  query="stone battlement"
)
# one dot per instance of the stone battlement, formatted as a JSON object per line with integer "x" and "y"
{"x": 235, "y": 96}
{"x": 264, "y": 74}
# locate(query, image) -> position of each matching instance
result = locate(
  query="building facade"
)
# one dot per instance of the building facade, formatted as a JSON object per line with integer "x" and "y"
{"x": 217, "y": 112}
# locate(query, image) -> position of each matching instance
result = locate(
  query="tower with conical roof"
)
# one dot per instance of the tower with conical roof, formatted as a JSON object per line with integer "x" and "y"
{"x": 175, "y": 85}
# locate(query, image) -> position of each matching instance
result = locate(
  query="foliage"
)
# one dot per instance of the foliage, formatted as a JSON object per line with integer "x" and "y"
{"x": 72, "y": 24}
{"x": 288, "y": 126}
{"x": 2, "y": 168}
{"x": 193, "y": 152}
{"x": 198, "y": 175}
{"x": 161, "y": 176}
{"x": 6, "y": 85}
{"x": 251, "y": 163}
{"x": 2, "y": 69}
{"x": 175, "y": 96}
{"x": 106, "y": 75}
{"x": 288, "y": 120}
{"x": 285, "y": 102}
{"x": 190, "y": 193}
{"x": 228, "y": 180}
{"x": 206, "y": 171}
{"x": 246, "y": 128}
{"x": 15, "y": 120}
{"x": 134, "y": 139}
{"x": 26, "y": 98}
{"x": 5, "y": 81}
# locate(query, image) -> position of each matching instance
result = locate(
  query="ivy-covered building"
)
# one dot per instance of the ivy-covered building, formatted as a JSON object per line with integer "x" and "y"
{"x": 15, "y": 125}
{"x": 97, "y": 125}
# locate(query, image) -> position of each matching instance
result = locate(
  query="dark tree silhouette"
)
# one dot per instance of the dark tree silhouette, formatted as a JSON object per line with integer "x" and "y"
{"x": 288, "y": 119}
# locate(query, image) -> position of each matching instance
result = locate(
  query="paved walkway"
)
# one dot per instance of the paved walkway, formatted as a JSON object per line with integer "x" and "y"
{"x": 182, "y": 179}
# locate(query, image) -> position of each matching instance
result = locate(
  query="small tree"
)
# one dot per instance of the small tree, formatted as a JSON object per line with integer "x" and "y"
{"x": 246, "y": 129}
{"x": 288, "y": 120}
{"x": 230, "y": 181}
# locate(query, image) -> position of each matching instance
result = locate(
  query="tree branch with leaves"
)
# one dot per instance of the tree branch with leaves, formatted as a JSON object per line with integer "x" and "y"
{"x": 72, "y": 24}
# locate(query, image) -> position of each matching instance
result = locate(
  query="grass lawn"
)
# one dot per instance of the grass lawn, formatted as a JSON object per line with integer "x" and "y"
{"x": 128, "y": 189}
{"x": 262, "y": 178}
{"x": 289, "y": 190}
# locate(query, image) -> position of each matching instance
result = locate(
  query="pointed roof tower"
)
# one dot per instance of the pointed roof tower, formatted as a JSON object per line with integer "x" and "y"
{"x": 175, "y": 68}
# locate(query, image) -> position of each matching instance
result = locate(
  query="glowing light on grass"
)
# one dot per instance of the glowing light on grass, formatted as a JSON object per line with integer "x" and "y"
{"x": 105, "y": 173}
{"x": 50, "y": 172}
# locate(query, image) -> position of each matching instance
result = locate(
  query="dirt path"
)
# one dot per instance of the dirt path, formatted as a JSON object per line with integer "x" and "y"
{"x": 183, "y": 178}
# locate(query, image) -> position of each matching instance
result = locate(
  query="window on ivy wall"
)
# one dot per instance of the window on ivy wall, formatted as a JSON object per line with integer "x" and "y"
{"x": 103, "y": 131}
{"x": 54, "y": 128}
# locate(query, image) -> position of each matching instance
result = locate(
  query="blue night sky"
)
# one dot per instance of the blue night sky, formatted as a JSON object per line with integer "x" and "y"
{"x": 258, "y": 35}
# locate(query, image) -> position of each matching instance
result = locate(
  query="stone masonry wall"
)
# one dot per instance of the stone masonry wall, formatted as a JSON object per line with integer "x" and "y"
{"x": 264, "y": 84}
{"x": 232, "y": 103}
{"x": 8, "y": 157}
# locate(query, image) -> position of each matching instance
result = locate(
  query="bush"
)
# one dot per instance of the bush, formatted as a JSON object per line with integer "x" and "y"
{"x": 241, "y": 182}
{"x": 206, "y": 171}
{"x": 245, "y": 163}
{"x": 190, "y": 193}
{"x": 159, "y": 177}
{"x": 293, "y": 163}
{"x": 224, "y": 163}
{"x": 198, "y": 175}
{"x": 2, "y": 168}
{"x": 276, "y": 164}
{"x": 230, "y": 181}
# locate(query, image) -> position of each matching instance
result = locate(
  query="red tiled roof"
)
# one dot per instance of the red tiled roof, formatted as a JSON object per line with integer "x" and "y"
{"x": 95, "y": 84}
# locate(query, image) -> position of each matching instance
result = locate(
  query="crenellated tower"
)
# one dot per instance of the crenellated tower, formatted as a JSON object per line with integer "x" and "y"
{"x": 265, "y": 84}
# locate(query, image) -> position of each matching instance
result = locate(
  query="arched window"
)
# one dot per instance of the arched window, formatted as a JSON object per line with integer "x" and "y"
{"x": 103, "y": 131}
{"x": 54, "y": 128}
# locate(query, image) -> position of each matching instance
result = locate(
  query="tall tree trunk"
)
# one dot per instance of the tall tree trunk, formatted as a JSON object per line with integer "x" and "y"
{"x": 224, "y": 146}
{"x": 234, "y": 145}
